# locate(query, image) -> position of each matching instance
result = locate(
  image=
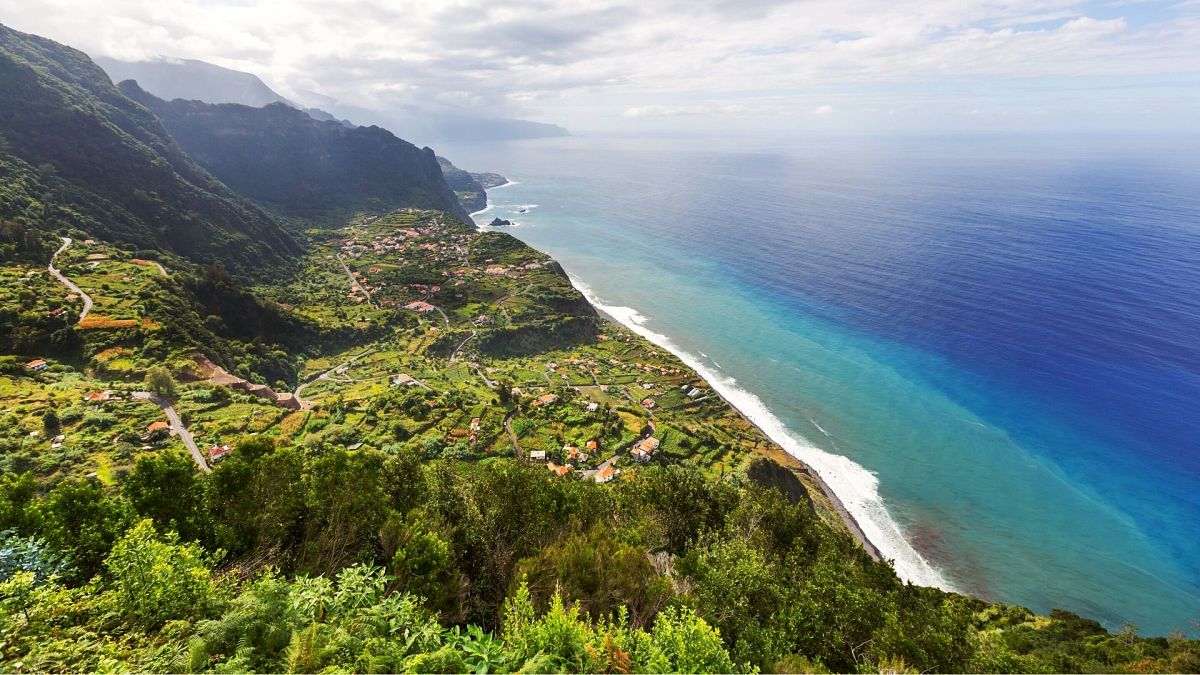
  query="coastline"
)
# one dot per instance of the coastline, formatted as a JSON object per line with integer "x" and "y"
{"x": 784, "y": 458}
{"x": 488, "y": 199}
{"x": 860, "y": 507}
{"x": 857, "y": 503}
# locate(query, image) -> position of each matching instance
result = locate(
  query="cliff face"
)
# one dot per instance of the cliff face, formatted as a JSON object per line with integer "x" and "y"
{"x": 302, "y": 167}
{"x": 76, "y": 152}
{"x": 471, "y": 188}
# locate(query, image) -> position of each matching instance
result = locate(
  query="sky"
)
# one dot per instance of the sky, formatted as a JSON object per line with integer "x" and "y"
{"x": 687, "y": 66}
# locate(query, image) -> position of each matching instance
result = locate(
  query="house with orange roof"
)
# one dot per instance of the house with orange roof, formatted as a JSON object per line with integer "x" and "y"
{"x": 37, "y": 365}
{"x": 606, "y": 475}
{"x": 558, "y": 470}
{"x": 643, "y": 449}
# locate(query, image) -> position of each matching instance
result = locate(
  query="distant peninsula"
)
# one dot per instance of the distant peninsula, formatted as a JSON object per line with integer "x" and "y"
{"x": 470, "y": 187}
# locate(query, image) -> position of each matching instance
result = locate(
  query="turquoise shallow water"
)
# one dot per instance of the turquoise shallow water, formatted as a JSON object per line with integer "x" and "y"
{"x": 1000, "y": 334}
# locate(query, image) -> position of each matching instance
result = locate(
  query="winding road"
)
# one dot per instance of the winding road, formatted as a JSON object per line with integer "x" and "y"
{"x": 177, "y": 426}
{"x": 87, "y": 299}
{"x": 454, "y": 354}
{"x": 305, "y": 405}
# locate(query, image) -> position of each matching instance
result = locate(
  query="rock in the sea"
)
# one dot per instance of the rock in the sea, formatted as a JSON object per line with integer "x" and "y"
{"x": 498, "y": 222}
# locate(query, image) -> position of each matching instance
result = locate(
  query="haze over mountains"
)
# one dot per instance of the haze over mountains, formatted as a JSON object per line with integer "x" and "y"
{"x": 300, "y": 166}
{"x": 197, "y": 80}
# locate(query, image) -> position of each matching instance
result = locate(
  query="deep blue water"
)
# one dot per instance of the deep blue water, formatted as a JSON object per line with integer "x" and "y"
{"x": 1006, "y": 332}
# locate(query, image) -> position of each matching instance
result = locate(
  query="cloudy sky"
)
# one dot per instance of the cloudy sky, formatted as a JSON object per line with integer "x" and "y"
{"x": 638, "y": 66}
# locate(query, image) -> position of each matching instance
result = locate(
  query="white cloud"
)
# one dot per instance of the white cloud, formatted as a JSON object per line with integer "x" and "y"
{"x": 627, "y": 60}
{"x": 823, "y": 110}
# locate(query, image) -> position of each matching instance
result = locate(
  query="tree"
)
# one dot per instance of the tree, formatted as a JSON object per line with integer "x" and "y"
{"x": 22, "y": 554}
{"x": 167, "y": 489}
{"x": 598, "y": 574}
{"x": 160, "y": 381}
{"x": 158, "y": 579}
{"x": 50, "y": 421}
{"x": 79, "y": 519}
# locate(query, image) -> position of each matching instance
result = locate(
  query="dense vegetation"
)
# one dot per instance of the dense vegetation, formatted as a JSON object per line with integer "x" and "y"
{"x": 77, "y": 154}
{"x": 302, "y": 167}
{"x": 474, "y": 471}
{"x": 382, "y": 561}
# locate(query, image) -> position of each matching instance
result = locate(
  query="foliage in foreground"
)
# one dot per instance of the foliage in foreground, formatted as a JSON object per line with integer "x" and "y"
{"x": 450, "y": 566}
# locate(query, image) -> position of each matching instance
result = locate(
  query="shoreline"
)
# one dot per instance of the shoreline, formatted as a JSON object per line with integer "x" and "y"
{"x": 791, "y": 462}
{"x": 488, "y": 199}
{"x": 871, "y": 518}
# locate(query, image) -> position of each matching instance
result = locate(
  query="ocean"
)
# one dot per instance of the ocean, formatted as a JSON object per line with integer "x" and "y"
{"x": 989, "y": 347}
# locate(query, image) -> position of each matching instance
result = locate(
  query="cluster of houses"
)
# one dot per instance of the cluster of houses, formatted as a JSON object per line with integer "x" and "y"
{"x": 420, "y": 306}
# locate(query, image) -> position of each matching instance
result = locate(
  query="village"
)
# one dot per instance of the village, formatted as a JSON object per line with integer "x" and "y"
{"x": 478, "y": 348}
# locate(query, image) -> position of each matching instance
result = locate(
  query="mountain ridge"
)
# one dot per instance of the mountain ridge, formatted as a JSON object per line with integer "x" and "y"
{"x": 105, "y": 165}
{"x": 300, "y": 166}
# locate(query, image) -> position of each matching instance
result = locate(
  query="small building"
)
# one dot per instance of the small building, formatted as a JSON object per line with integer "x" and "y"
{"x": 592, "y": 445}
{"x": 648, "y": 403}
{"x": 420, "y": 306}
{"x": 218, "y": 452}
{"x": 287, "y": 400}
{"x": 593, "y": 407}
{"x": 402, "y": 379}
{"x": 606, "y": 475}
{"x": 557, "y": 469}
{"x": 537, "y": 454}
{"x": 97, "y": 397}
{"x": 545, "y": 399}
{"x": 37, "y": 365}
{"x": 158, "y": 426}
{"x": 476, "y": 423}
{"x": 694, "y": 393}
{"x": 643, "y": 449}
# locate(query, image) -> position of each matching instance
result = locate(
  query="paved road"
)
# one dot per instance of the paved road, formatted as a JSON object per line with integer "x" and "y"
{"x": 444, "y": 317}
{"x": 177, "y": 426}
{"x": 87, "y": 299}
{"x": 512, "y": 436}
{"x": 354, "y": 282}
{"x": 454, "y": 354}
{"x": 305, "y": 405}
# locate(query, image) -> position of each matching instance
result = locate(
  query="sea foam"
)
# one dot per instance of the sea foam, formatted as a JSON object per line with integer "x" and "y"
{"x": 855, "y": 486}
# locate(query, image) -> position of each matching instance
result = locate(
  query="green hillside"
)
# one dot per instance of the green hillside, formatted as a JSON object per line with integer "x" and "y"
{"x": 414, "y": 447}
{"x": 76, "y": 154}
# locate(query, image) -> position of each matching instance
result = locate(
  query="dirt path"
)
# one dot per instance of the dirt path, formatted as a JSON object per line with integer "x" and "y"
{"x": 177, "y": 426}
{"x": 87, "y": 299}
